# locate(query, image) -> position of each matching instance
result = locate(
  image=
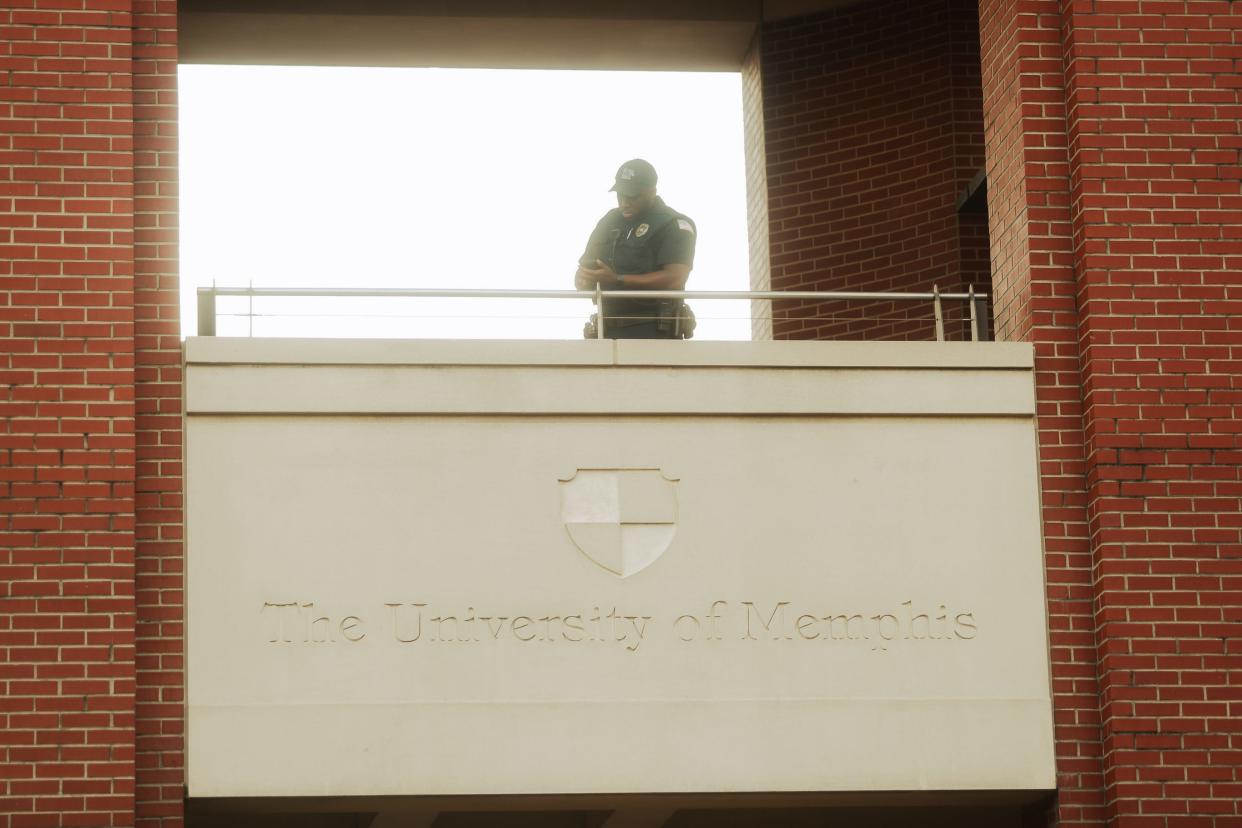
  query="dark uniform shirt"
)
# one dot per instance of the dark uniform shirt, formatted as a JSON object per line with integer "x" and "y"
{"x": 644, "y": 244}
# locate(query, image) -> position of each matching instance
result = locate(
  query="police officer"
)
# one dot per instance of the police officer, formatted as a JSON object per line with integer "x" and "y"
{"x": 642, "y": 245}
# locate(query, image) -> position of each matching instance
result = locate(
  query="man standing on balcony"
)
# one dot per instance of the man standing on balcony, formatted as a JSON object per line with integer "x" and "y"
{"x": 642, "y": 245}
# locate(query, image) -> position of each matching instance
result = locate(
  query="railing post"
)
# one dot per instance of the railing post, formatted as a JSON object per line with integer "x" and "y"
{"x": 980, "y": 304}
{"x": 939, "y": 313}
{"x": 206, "y": 312}
{"x": 599, "y": 312}
{"x": 974, "y": 323}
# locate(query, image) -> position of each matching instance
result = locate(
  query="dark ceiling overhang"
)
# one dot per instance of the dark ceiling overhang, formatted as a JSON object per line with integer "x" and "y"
{"x": 686, "y": 35}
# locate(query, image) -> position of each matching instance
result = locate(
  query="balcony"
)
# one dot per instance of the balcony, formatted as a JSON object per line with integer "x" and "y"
{"x": 445, "y": 568}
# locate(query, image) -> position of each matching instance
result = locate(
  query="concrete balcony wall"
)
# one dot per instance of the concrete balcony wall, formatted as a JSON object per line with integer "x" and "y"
{"x": 448, "y": 568}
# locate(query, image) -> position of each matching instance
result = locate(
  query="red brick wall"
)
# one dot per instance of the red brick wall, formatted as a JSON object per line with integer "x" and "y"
{"x": 973, "y": 247}
{"x": 1116, "y": 222}
{"x": 756, "y": 188}
{"x": 68, "y": 498}
{"x": 1033, "y": 292}
{"x": 1155, "y": 163}
{"x": 1116, "y": 249}
{"x": 159, "y": 709}
{"x": 72, "y": 193}
{"x": 862, "y": 108}
{"x": 1000, "y": 47}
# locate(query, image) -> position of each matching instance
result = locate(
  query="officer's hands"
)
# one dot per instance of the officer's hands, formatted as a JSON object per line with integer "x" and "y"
{"x": 602, "y": 275}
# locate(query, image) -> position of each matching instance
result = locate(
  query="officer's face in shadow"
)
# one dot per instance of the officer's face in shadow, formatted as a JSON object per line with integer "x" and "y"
{"x": 635, "y": 205}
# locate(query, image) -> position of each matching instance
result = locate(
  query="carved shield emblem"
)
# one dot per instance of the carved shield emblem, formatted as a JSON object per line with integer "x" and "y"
{"x": 622, "y": 519}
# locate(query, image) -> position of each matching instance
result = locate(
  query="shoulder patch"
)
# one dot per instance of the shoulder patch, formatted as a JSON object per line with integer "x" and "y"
{"x": 685, "y": 225}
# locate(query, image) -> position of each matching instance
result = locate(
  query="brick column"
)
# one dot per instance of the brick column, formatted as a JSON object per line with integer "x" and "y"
{"x": 160, "y": 714}
{"x": 1155, "y": 140}
{"x": 90, "y": 446}
{"x": 756, "y": 188}
{"x": 974, "y": 263}
{"x": 67, "y": 483}
{"x": 1034, "y": 300}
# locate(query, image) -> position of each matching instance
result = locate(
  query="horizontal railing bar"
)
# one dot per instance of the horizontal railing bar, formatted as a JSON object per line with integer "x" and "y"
{"x": 563, "y": 317}
{"x": 442, "y": 293}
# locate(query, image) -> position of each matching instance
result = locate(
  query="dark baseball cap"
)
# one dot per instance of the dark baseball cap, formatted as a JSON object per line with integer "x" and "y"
{"x": 633, "y": 177}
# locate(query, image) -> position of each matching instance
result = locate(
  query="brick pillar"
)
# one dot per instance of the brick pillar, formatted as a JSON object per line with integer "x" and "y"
{"x": 1155, "y": 141}
{"x": 1034, "y": 300}
{"x": 160, "y": 715}
{"x": 973, "y": 262}
{"x": 67, "y": 496}
{"x": 756, "y": 189}
{"x": 87, "y": 143}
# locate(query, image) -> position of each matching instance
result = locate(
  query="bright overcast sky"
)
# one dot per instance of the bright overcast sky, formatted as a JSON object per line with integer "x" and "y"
{"x": 352, "y": 177}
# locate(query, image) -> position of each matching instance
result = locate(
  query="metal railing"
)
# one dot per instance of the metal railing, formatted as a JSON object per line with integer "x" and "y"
{"x": 976, "y": 302}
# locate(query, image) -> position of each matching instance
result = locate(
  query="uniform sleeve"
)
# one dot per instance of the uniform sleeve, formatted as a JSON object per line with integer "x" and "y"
{"x": 677, "y": 246}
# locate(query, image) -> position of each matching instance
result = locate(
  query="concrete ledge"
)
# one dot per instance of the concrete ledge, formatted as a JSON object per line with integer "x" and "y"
{"x": 247, "y": 351}
{"x": 945, "y": 355}
{"x": 604, "y": 391}
{"x": 282, "y": 376}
